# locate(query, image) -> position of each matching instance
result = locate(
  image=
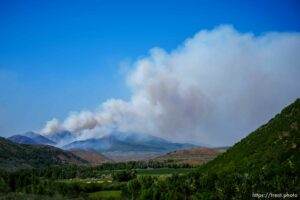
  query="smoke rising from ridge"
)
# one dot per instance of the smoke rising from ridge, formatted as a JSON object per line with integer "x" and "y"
{"x": 215, "y": 88}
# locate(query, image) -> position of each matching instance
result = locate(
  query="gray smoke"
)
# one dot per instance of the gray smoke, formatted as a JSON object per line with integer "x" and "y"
{"x": 215, "y": 88}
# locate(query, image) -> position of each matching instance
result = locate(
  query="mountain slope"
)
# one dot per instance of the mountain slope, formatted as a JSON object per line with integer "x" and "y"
{"x": 91, "y": 156}
{"x": 124, "y": 142}
{"x": 21, "y": 139}
{"x": 194, "y": 156}
{"x": 61, "y": 138}
{"x": 31, "y": 138}
{"x": 39, "y": 139}
{"x": 13, "y": 155}
{"x": 273, "y": 146}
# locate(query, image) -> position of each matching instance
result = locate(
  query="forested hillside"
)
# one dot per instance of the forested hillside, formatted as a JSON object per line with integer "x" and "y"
{"x": 275, "y": 145}
{"x": 13, "y": 155}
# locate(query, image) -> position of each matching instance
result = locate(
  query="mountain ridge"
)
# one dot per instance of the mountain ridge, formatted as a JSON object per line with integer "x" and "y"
{"x": 127, "y": 143}
{"x": 274, "y": 145}
{"x": 39, "y": 138}
{"x": 13, "y": 155}
{"x": 31, "y": 137}
{"x": 21, "y": 139}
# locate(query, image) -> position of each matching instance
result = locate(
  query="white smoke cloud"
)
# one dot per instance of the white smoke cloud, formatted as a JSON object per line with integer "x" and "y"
{"x": 52, "y": 126}
{"x": 215, "y": 88}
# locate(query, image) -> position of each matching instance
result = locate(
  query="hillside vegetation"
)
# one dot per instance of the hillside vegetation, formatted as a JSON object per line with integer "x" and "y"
{"x": 91, "y": 156}
{"x": 275, "y": 145}
{"x": 13, "y": 155}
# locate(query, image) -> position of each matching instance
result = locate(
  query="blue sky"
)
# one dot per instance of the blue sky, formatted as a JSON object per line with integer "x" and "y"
{"x": 61, "y": 56}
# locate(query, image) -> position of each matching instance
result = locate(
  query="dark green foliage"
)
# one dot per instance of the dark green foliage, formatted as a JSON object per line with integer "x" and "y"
{"x": 85, "y": 171}
{"x": 50, "y": 180}
{"x": 275, "y": 145}
{"x": 199, "y": 185}
{"x": 25, "y": 182}
{"x": 4, "y": 188}
{"x": 13, "y": 155}
{"x": 124, "y": 175}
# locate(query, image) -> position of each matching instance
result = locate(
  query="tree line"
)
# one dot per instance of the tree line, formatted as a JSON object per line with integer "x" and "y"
{"x": 199, "y": 185}
{"x": 88, "y": 171}
{"x": 25, "y": 182}
{"x": 49, "y": 181}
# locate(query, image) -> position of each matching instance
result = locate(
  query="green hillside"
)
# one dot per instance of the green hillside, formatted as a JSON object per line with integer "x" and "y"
{"x": 273, "y": 146}
{"x": 13, "y": 155}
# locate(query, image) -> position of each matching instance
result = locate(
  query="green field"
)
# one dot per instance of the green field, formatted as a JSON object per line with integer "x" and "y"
{"x": 106, "y": 194}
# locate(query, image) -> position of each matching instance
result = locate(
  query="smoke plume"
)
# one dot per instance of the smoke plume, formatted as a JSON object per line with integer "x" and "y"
{"x": 215, "y": 88}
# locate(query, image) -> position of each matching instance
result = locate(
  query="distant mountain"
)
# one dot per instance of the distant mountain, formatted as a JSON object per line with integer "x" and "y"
{"x": 31, "y": 138}
{"x": 61, "y": 138}
{"x": 91, "y": 156}
{"x": 13, "y": 155}
{"x": 127, "y": 142}
{"x": 273, "y": 146}
{"x": 21, "y": 139}
{"x": 194, "y": 156}
{"x": 39, "y": 139}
